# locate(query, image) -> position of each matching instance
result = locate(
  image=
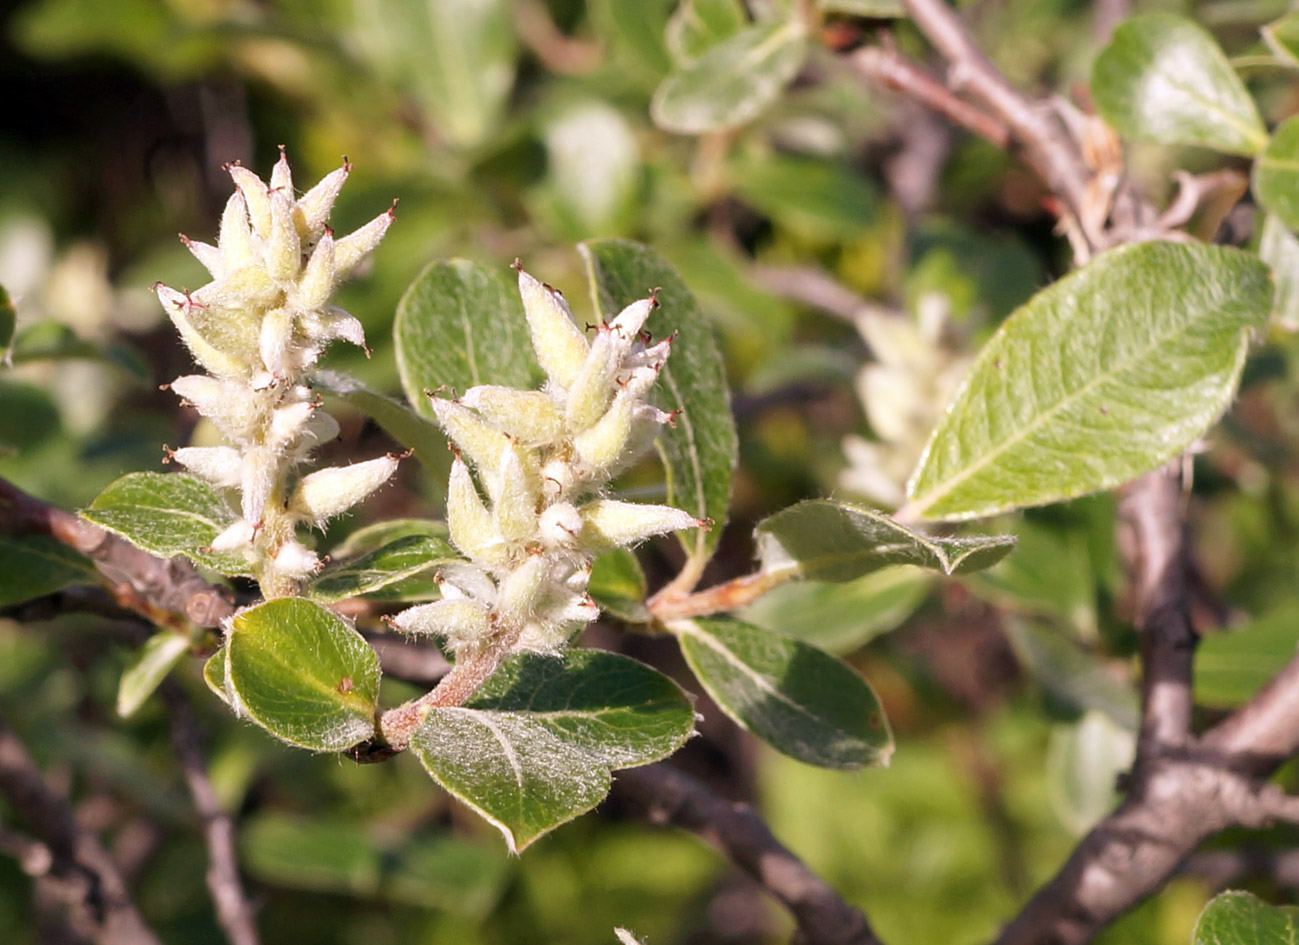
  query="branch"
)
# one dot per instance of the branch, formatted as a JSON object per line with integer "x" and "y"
{"x": 1151, "y": 510}
{"x": 1033, "y": 125}
{"x": 161, "y": 590}
{"x": 89, "y": 881}
{"x": 670, "y": 797}
{"x": 223, "y": 882}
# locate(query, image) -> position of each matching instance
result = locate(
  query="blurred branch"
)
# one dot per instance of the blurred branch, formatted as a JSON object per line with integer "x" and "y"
{"x": 670, "y": 797}
{"x": 815, "y": 288}
{"x": 560, "y": 54}
{"x": 1222, "y": 868}
{"x": 223, "y": 882}
{"x": 1151, "y": 517}
{"x": 87, "y": 879}
{"x": 160, "y": 590}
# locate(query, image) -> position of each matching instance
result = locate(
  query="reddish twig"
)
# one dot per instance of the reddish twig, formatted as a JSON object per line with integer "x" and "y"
{"x": 670, "y": 797}
{"x": 162, "y": 591}
{"x": 89, "y": 883}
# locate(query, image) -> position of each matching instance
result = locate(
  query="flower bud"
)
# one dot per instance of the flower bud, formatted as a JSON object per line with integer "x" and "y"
{"x": 324, "y": 325}
{"x": 317, "y": 282}
{"x": 609, "y": 523}
{"x": 282, "y": 175}
{"x": 178, "y": 308}
{"x": 515, "y": 499}
{"x": 481, "y": 442}
{"x": 353, "y": 248}
{"x": 207, "y": 254}
{"x": 595, "y": 384}
{"x": 219, "y": 465}
{"x": 256, "y": 196}
{"x": 328, "y": 492}
{"x": 530, "y": 416}
{"x": 283, "y": 250}
{"x": 235, "y": 238}
{"x": 473, "y": 529}
{"x": 276, "y": 341}
{"x": 522, "y": 588}
{"x": 237, "y": 535}
{"x": 461, "y": 581}
{"x": 560, "y": 345}
{"x": 560, "y": 525}
{"x": 461, "y": 623}
{"x": 260, "y": 468}
{"x": 296, "y": 561}
{"x": 600, "y": 445}
{"x": 311, "y": 212}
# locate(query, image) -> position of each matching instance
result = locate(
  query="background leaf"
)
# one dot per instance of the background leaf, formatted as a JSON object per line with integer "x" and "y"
{"x": 733, "y": 81}
{"x": 874, "y": 9}
{"x": 303, "y": 674}
{"x": 1100, "y": 377}
{"x": 33, "y": 566}
{"x": 699, "y": 453}
{"x": 1275, "y": 177}
{"x": 1241, "y": 918}
{"x": 617, "y": 584}
{"x": 804, "y": 703}
{"x": 8, "y": 318}
{"x": 168, "y": 514}
{"x": 396, "y": 561}
{"x": 535, "y": 747}
{"x": 829, "y": 541}
{"x": 1279, "y": 248}
{"x": 148, "y": 667}
{"x": 404, "y": 424}
{"x": 1083, "y": 764}
{"x": 1072, "y": 674}
{"x": 839, "y": 618}
{"x": 1163, "y": 78}
{"x": 1282, "y": 37}
{"x": 699, "y": 25}
{"x": 1232, "y": 665}
{"x": 54, "y": 341}
{"x": 459, "y": 325}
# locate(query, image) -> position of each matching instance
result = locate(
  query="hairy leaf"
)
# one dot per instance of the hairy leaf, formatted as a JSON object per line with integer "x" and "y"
{"x": 302, "y": 673}
{"x": 166, "y": 515}
{"x": 1163, "y": 78}
{"x": 33, "y": 566}
{"x": 396, "y": 561}
{"x": 699, "y": 452}
{"x": 535, "y": 747}
{"x": 821, "y": 540}
{"x": 732, "y": 81}
{"x": 1102, "y": 376}
{"x": 804, "y": 702}
{"x": 148, "y": 667}
{"x": 1241, "y": 918}
{"x": 460, "y": 325}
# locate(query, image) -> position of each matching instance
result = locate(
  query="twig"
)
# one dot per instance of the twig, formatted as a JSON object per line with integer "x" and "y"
{"x": 1151, "y": 510}
{"x": 558, "y": 53}
{"x": 730, "y": 595}
{"x": 890, "y": 68}
{"x": 160, "y": 590}
{"x": 1221, "y": 868}
{"x": 224, "y": 885}
{"x": 91, "y": 884}
{"x": 673, "y": 798}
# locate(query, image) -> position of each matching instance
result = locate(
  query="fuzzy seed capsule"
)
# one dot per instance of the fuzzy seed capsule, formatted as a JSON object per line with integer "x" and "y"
{"x": 219, "y": 465}
{"x": 473, "y": 528}
{"x": 311, "y": 212}
{"x": 530, "y": 416}
{"x": 560, "y": 345}
{"x": 462, "y": 623}
{"x": 609, "y": 523}
{"x": 283, "y": 250}
{"x": 256, "y": 197}
{"x": 329, "y": 492}
{"x": 235, "y": 237}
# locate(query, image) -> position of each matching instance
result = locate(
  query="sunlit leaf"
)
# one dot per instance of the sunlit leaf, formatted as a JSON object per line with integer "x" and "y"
{"x": 1163, "y": 78}
{"x": 1241, "y": 918}
{"x": 804, "y": 702}
{"x": 148, "y": 667}
{"x": 699, "y": 451}
{"x": 396, "y": 561}
{"x": 1279, "y": 248}
{"x": 302, "y": 673}
{"x": 166, "y": 515}
{"x": 535, "y": 747}
{"x": 33, "y": 566}
{"x": 820, "y": 540}
{"x": 634, "y": 31}
{"x": 1100, "y": 377}
{"x": 1276, "y": 174}
{"x": 460, "y": 325}
{"x": 734, "y": 80}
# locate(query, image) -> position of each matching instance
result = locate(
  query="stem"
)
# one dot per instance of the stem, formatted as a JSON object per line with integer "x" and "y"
{"x": 732, "y": 595}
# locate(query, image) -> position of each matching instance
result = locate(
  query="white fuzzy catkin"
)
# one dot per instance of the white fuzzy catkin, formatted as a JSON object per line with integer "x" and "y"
{"x": 258, "y": 327}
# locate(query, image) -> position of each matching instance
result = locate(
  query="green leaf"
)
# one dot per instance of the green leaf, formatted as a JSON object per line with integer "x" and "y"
{"x": 1276, "y": 174}
{"x": 214, "y": 674}
{"x": 8, "y": 318}
{"x": 1241, "y": 918}
{"x": 54, "y": 341}
{"x": 1232, "y": 665}
{"x": 535, "y": 747}
{"x": 819, "y": 198}
{"x": 1083, "y": 764}
{"x": 328, "y": 855}
{"x": 617, "y": 584}
{"x": 166, "y": 515}
{"x": 28, "y": 415}
{"x": 399, "y": 421}
{"x": 873, "y": 9}
{"x": 634, "y": 31}
{"x": 460, "y": 325}
{"x": 839, "y": 618}
{"x": 1050, "y": 574}
{"x": 699, "y": 25}
{"x": 373, "y": 537}
{"x": 1102, "y": 376}
{"x": 302, "y": 673}
{"x": 821, "y": 540}
{"x": 456, "y": 58}
{"x": 1072, "y": 674}
{"x": 148, "y": 667}
{"x": 399, "y": 559}
{"x": 733, "y": 81}
{"x": 1279, "y": 248}
{"x": 699, "y": 452}
{"x": 802, "y": 701}
{"x": 33, "y": 566}
{"x": 1282, "y": 37}
{"x": 1163, "y": 78}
